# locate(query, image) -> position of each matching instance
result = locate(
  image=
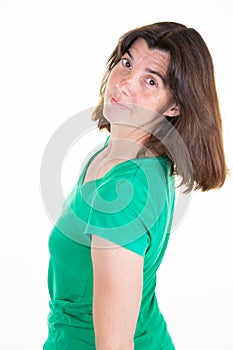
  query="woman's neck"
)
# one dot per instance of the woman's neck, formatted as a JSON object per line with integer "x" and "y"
{"x": 126, "y": 142}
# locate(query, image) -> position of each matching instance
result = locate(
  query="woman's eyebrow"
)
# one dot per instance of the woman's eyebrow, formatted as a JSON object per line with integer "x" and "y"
{"x": 156, "y": 73}
{"x": 148, "y": 70}
{"x": 130, "y": 55}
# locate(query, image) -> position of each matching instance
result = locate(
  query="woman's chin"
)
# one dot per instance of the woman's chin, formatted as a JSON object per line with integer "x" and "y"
{"x": 114, "y": 114}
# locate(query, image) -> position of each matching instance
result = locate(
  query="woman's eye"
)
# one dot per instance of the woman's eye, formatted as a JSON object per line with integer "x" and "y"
{"x": 126, "y": 62}
{"x": 151, "y": 82}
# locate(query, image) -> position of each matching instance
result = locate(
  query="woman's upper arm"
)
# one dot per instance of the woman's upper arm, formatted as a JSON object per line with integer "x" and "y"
{"x": 118, "y": 282}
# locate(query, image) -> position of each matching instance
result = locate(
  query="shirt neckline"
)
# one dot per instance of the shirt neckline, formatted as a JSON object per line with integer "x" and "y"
{"x": 113, "y": 168}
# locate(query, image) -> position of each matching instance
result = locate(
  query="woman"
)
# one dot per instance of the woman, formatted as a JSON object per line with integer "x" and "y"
{"x": 158, "y": 101}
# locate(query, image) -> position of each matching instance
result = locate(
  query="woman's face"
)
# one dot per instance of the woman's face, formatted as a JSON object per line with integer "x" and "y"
{"x": 136, "y": 89}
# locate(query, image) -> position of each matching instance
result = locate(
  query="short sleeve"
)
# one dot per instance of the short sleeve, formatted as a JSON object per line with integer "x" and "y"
{"x": 124, "y": 209}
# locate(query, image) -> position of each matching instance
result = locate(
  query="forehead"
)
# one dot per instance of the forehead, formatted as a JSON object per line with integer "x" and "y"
{"x": 143, "y": 54}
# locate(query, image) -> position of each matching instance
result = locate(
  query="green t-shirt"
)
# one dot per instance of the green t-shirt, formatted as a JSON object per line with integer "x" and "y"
{"x": 132, "y": 205}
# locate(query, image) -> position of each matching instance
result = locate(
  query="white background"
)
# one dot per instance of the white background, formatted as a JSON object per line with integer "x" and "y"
{"x": 52, "y": 60}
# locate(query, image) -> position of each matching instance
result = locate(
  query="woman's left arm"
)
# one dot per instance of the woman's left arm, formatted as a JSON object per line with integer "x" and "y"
{"x": 118, "y": 283}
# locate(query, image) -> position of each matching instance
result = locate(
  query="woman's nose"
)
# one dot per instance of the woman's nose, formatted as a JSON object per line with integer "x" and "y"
{"x": 126, "y": 85}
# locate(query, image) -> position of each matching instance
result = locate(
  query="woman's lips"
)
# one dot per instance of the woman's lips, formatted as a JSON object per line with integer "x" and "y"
{"x": 118, "y": 104}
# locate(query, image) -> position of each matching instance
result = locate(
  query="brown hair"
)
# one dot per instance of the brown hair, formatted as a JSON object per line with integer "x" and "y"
{"x": 190, "y": 77}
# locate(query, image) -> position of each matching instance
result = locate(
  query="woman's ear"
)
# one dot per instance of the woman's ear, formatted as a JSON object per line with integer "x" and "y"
{"x": 172, "y": 111}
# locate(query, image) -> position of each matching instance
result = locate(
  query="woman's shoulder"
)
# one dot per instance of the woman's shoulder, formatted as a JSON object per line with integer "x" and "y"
{"x": 140, "y": 175}
{"x": 138, "y": 167}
